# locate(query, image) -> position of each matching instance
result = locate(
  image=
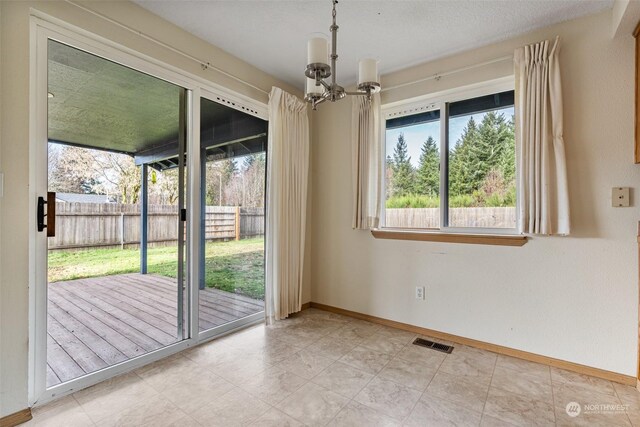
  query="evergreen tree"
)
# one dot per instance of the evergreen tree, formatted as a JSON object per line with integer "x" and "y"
{"x": 389, "y": 191}
{"x": 229, "y": 169}
{"x": 89, "y": 185}
{"x": 481, "y": 151}
{"x": 489, "y": 149}
{"x": 248, "y": 161}
{"x": 254, "y": 160}
{"x": 403, "y": 173}
{"x": 507, "y": 162}
{"x": 460, "y": 165}
{"x": 253, "y": 180}
{"x": 428, "y": 173}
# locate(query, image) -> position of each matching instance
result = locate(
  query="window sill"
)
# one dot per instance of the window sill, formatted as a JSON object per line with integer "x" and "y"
{"x": 435, "y": 236}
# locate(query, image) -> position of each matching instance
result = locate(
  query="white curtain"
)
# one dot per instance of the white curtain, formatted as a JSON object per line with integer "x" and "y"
{"x": 543, "y": 196}
{"x": 366, "y": 162}
{"x": 287, "y": 176}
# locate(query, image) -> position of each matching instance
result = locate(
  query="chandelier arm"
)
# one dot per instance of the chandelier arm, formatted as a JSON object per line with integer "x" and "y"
{"x": 317, "y": 102}
{"x": 363, "y": 93}
{"x": 325, "y": 84}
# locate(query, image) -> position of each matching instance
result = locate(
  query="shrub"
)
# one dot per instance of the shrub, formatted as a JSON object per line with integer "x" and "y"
{"x": 462, "y": 201}
{"x": 412, "y": 201}
{"x": 478, "y": 199}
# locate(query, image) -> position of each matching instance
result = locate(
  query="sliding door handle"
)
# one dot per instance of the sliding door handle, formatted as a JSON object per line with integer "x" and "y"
{"x": 51, "y": 214}
{"x": 41, "y": 214}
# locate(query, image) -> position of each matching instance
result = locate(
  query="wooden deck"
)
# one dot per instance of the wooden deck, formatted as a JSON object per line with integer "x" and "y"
{"x": 98, "y": 322}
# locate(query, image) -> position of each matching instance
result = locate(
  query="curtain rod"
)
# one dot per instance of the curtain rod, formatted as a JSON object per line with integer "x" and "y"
{"x": 437, "y": 76}
{"x": 204, "y": 64}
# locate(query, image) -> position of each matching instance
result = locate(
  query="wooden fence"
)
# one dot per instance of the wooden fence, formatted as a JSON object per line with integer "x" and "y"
{"x": 90, "y": 225}
{"x": 458, "y": 217}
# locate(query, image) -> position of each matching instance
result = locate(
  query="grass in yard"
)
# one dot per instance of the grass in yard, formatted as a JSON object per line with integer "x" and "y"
{"x": 229, "y": 266}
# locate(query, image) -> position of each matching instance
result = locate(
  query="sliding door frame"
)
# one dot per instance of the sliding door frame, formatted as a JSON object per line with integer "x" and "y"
{"x": 238, "y": 323}
{"x": 43, "y": 28}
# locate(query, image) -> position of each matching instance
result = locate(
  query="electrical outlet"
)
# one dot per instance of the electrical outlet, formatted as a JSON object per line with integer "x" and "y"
{"x": 620, "y": 197}
{"x": 420, "y": 292}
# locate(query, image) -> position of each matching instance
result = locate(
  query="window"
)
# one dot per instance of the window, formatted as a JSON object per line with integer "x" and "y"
{"x": 451, "y": 165}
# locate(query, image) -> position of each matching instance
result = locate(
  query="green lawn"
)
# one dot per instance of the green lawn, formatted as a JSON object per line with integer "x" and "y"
{"x": 230, "y": 266}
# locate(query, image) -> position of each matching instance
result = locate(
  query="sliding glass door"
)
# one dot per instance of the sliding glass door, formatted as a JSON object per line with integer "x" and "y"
{"x": 148, "y": 232}
{"x": 116, "y": 203}
{"x": 233, "y": 148}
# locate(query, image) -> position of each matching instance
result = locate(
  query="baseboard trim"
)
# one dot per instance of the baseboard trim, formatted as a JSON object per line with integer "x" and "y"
{"x": 16, "y": 418}
{"x": 305, "y": 306}
{"x": 507, "y": 351}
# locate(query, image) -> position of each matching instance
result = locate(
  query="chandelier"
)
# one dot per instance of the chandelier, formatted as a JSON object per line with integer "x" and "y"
{"x": 317, "y": 89}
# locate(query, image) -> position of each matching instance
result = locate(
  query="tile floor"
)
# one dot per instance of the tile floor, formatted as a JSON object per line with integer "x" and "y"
{"x": 320, "y": 368}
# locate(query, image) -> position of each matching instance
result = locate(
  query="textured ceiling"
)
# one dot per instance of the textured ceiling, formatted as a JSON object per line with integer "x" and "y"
{"x": 98, "y": 103}
{"x": 272, "y": 35}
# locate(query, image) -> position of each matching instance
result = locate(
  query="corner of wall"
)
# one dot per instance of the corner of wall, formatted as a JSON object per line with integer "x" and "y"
{"x": 625, "y": 15}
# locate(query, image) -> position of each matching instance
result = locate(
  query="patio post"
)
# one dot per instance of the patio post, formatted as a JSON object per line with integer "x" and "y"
{"x": 144, "y": 216}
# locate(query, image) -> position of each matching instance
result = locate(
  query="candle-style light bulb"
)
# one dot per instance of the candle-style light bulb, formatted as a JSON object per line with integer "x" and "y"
{"x": 317, "y": 50}
{"x": 368, "y": 71}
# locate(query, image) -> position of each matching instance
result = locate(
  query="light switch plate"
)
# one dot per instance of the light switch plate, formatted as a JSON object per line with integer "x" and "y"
{"x": 620, "y": 197}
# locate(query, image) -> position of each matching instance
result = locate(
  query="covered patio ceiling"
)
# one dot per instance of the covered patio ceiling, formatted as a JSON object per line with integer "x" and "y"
{"x": 96, "y": 103}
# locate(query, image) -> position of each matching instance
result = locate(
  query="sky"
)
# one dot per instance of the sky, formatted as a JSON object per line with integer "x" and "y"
{"x": 416, "y": 135}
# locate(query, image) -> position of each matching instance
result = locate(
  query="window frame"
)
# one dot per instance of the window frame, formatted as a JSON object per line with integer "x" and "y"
{"x": 440, "y": 101}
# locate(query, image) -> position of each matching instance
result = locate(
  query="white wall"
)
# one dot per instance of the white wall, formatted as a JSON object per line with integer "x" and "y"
{"x": 572, "y": 298}
{"x": 14, "y": 146}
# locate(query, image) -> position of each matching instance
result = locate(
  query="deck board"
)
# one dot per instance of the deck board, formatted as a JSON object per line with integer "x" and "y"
{"x": 148, "y": 312}
{"x": 222, "y": 297}
{"x": 97, "y": 322}
{"x": 52, "y": 378}
{"x": 126, "y": 338}
{"x": 225, "y": 299}
{"x": 136, "y": 293}
{"x": 86, "y": 359}
{"x": 222, "y": 306}
{"x": 61, "y": 363}
{"x": 105, "y": 351}
{"x": 226, "y": 307}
